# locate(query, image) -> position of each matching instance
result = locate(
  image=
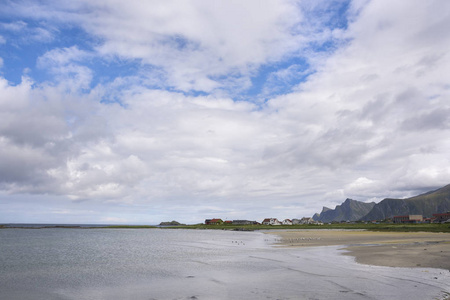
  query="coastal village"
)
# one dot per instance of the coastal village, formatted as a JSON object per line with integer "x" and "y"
{"x": 267, "y": 221}
{"x": 436, "y": 218}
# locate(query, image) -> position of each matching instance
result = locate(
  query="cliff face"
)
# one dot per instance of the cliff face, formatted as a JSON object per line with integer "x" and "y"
{"x": 427, "y": 204}
{"x": 350, "y": 210}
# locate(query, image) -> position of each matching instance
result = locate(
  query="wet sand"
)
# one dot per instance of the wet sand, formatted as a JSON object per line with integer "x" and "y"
{"x": 392, "y": 249}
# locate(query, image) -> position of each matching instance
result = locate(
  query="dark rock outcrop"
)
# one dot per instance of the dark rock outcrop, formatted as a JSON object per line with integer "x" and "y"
{"x": 350, "y": 210}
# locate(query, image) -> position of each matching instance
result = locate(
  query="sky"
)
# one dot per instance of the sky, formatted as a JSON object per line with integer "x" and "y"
{"x": 138, "y": 112}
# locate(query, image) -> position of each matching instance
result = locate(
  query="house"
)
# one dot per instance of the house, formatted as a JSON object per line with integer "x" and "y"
{"x": 306, "y": 220}
{"x": 271, "y": 221}
{"x": 408, "y": 219}
{"x": 440, "y": 218}
{"x": 228, "y": 222}
{"x": 244, "y": 222}
{"x": 287, "y": 222}
{"x": 213, "y": 221}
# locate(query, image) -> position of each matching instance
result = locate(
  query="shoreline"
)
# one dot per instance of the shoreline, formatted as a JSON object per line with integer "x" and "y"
{"x": 390, "y": 249}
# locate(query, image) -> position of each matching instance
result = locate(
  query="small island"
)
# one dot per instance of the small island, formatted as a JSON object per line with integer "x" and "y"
{"x": 172, "y": 223}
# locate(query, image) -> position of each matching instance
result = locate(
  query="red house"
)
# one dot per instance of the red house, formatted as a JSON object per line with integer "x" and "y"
{"x": 408, "y": 219}
{"x": 213, "y": 221}
{"x": 439, "y": 218}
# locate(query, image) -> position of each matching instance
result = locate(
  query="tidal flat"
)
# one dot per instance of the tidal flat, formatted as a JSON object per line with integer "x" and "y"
{"x": 392, "y": 249}
{"x": 67, "y": 263}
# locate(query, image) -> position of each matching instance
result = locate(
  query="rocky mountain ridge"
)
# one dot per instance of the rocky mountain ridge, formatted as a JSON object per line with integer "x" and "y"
{"x": 427, "y": 204}
{"x": 349, "y": 210}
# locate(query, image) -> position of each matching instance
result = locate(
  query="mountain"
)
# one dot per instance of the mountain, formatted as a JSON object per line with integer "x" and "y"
{"x": 350, "y": 210}
{"x": 316, "y": 216}
{"x": 427, "y": 204}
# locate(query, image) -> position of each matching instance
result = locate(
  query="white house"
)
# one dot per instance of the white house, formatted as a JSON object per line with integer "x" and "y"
{"x": 287, "y": 222}
{"x": 306, "y": 220}
{"x": 271, "y": 221}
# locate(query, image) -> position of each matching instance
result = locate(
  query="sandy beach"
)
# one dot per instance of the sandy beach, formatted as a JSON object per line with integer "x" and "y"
{"x": 392, "y": 249}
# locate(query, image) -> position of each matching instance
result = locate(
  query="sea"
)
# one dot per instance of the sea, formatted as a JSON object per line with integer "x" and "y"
{"x": 99, "y": 263}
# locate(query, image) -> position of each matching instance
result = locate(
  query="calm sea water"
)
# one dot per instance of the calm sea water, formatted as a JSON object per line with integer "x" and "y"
{"x": 192, "y": 264}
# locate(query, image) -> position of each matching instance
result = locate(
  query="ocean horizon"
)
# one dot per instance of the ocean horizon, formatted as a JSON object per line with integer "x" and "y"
{"x": 33, "y": 225}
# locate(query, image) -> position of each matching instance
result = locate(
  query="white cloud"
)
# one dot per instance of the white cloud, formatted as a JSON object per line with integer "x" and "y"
{"x": 14, "y": 26}
{"x": 381, "y": 99}
{"x": 62, "y": 56}
{"x": 114, "y": 220}
{"x": 40, "y": 129}
{"x": 371, "y": 122}
{"x": 196, "y": 41}
{"x": 200, "y": 45}
{"x": 23, "y": 33}
{"x": 66, "y": 68}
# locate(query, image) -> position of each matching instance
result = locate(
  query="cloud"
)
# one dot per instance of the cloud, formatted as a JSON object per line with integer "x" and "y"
{"x": 23, "y": 33}
{"x": 62, "y": 56}
{"x": 15, "y": 26}
{"x": 40, "y": 130}
{"x": 437, "y": 119}
{"x": 66, "y": 66}
{"x": 199, "y": 46}
{"x": 195, "y": 41}
{"x": 374, "y": 99}
{"x": 354, "y": 106}
{"x": 115, "y": 220}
